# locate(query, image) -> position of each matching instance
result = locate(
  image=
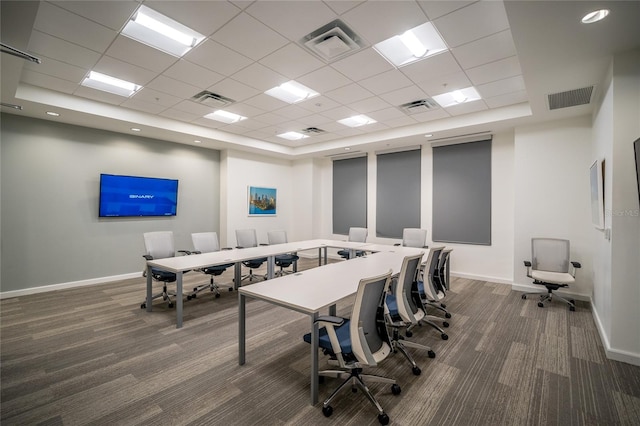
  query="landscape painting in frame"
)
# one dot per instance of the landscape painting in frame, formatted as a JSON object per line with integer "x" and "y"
{"x": 262, "y": 201}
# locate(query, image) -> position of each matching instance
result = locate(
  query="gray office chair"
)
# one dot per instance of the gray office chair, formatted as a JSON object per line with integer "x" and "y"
{"x": 401, "y": 311}
{"x": 425, "y": 291}
{"x": 356, "y": 235}
{"x": 207, "y": 242}
{"x": 551, "y": 267}
{"x": 282, "y": 260}
{"x": 247, "y": 238}
{"x": 361, "y": 341}
{"x": 433, "y": 285}
{"x": 160, "y": 245}
{"x": 414, "y": 237}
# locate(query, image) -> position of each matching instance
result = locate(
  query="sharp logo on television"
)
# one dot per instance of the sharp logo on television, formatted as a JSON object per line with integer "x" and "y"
{"x": 140, "y": 196}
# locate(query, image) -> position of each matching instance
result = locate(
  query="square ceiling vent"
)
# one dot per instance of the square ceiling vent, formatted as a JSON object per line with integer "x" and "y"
{"x": 212, "y": 99}
{"x": 332, "y": 41}
{"x": 422, "y": 105}
{"x": 570, "y": 98}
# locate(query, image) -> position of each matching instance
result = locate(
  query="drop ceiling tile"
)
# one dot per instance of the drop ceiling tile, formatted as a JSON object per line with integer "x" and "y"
{"x": 489, "y": 49}
{"x": 352, "y": 66}
{"x": 342, "y": 6}
{"x": 99, "y": 95}
{"x": 194, "y": 108}
{"x": 139, "y": 105}
{"x": 173, "y": 87}
{"x": 68, "y": 26}
{"x": 501, "y": 87}
{"x": 233, "y": 89}
{"x": 386, "y": 114}
{"x": 309, "y": 16}
{"x": 494, "y": 71}
{"x": 217, "y": 57}
{"x": 472, "y": 22}
{"x": 402, "y": 96}
{"x": 436, "y": 9}
{"x": 204, "y": 17}
{"x": 139, "y": 54}
{"x": 370, "y": 104}
{"x": 349, "y": 94}
{"x": 265, "y": 102}
{"x": 318, "y": 104}
{"x": 47, "y": 81}
{"x": 244, "y": 110}
{"x": 116, "y": 68}
{"x": 292, "y": 61}
{"x": 436, "y": 114}
{"x": 44, "y": 44}
{"x": 271, "y": 118}
{"x": 58, "y": 69}
{"x": 235, "y": 128}
{"x": 149, "y": 95}
{"x": 248, "y": 36}
{"x": 467, "y": 108}
{"x": 259, "y": 77}
{"x": 339, "y": 113}
{"x": 507, "y": 99}
{"x": 401, "y": 122}
{"x": 380, "y": 20}
{"x": 434, "y": 66}
{"x": 193, "y": 74}
{"x": 207, "y": 122}
{"x": 386, "y": 82}
{"x": 293, "y": 112}
{"x": 176, "y": 114}
{"x": 445, "y": 83}
{"x": 108, "y": 13}
{"x": 324, "y": 79}
{"x": 317, "y": 120}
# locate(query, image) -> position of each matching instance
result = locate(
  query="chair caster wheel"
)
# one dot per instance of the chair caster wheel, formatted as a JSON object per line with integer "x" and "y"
{"x": 444, "y": 336}
{"x": 170, "y": 305}
{"x": 572, "y": 308}
{"x": 540, "y": 305}
{"x": 447, "y": 315}
{"x": 383, "y": 419}
{"x": 416, "y": 371}
{"x": 431, "y": 354}
{"x": 443, "y": 306}
{"x": 445, "y": 324}
{"x": 395, "y": 388}
{"x": 409, "y": 333}
{"x": 524, "y": 296}
{"x": 143, "y": 306}
{"x": 189, "y": 297}
{"x": 327, "y": 411}
{"x": 320, "y": 379}
{"x": 230, "y": 289}
{"x": 217, "y": 295}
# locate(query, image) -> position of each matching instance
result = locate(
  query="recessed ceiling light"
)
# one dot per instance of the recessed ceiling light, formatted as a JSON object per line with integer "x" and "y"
{"x": 357, "y": 121}
{"x": 135, "y": 129}
{"x": 457, "y": 97}
{"x": 413, "y": 45}
{"x": 292, "y": 136}
{"x": 106, "y": 83}
{"x": 347, "y": 149}
{"x": 161, "y": 32}
{"x": 595, "y": 16}
{"x": 53, "y": 114}
{"x": 225, "y": 116}
{"x": 428, "y": 135}
{"x": 197, "y": 141}
{"x": 292, "y": 92}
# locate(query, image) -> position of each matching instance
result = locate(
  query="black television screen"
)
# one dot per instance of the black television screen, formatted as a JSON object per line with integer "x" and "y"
{"x": 126, "y": 196}
{"x": 636, "y": 148}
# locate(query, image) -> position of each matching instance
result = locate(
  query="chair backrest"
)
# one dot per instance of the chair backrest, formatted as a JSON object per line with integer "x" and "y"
{"x": 442, "y": 266}
{"x": 277, "y": 237}
{"x": 369, "y": 340}
{"x": 405, "y": 288}
{"x": 550, "y": 254}
{"x": 414, "y": 237}
{"x": 205, "y": 242}
{"x": 159, "y": 244}
{"x": 246, "y": 238}
{"x": 358, "y": 235}
{"x": 432, "y": 265}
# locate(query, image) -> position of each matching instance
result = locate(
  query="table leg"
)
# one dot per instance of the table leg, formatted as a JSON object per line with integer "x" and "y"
{"x": 179, "y": 300}
{"x": 237, "y": 275}
{"x": 332, "y": 310}
{"x": 271, "y": 261}
{"x": 149, "y": 289}
{"x": 241, "y": 328}
{"x": 314, "y": 358}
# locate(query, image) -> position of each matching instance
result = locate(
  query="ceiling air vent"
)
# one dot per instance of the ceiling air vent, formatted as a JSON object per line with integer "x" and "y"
{"x": 332, "y": 41}
{"x": 570, "y": 98}
{"x": 423, "y": 105}
{"x": 313, "y": 131}
{"x": 212, "y": 99}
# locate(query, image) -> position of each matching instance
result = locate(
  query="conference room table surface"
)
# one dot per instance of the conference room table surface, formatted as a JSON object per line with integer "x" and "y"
{"x": 181, "y": 264}
{"x": 314, "y": 290}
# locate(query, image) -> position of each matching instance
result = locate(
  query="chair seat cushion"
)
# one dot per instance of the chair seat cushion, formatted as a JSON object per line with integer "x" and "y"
{"x": 343, "y": 337}
{"x": 161, "y": 275}
{"x": 552, "y": 277}
{"x": 254, "y": 263}
{"x": 217, "y": 270}
{"x": 423, "y": 295}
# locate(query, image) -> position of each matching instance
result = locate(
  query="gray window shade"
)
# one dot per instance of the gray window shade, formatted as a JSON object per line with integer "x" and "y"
{"x": 349, "y": 194}
{"x": 398, "y": 193}
{"x": 462, "y": 193}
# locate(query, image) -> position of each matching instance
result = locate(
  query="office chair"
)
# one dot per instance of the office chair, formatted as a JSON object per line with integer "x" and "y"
{"x": 282, "y": 260}
{"x": 361, "y": 341}
{"x": 401, "y": 311}
{"x": 413, "y": 237}
{"x": 425, "y": 292}
{"x": 551, "y": 267}
{"x": 207, "y": 242}
{"x": 160, "y": 245}
{"x": 247, "y": 238}
{"x": 442, "y": 273}
{"x": 434, "y": 291}
{"x": 356, "y": 235}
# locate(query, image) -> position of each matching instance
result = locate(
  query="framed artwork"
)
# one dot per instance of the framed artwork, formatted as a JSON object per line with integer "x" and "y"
{"x": 262, "y": 201}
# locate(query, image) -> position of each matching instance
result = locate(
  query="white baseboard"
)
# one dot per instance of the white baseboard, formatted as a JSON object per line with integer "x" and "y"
{"x": 73, "y": 284}
{"x": 481, "y": 278}
{"x": 614, "y": 354}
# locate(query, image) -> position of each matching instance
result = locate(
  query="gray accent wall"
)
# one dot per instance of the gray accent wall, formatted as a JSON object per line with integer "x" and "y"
{"x": 50, "y": 174}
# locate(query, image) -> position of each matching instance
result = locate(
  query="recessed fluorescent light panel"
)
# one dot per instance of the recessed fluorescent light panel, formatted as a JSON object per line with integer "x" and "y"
{"x": 106, "y": 83}
{"x": 158, "y": 31}
{"x": 595, "y": 16}
{"x": 412, "y": 45}
{"x": 225, "y": 117}
{"x": 292, "y": 92}
{"x": 357, "y": 121}
{"x": 292, "y": 136}
{"x": 457, "y": 97}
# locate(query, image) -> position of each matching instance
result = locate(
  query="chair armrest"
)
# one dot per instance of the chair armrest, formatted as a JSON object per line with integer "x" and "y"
{"x": 331, "y": 320}
{"x": 239, "y": 247}
{"x": 527, "y": 264}
{"x": 195, "y": 252}
{"x": 576, "y": 264}
{"x": 226, "y": 248}
{"x": 187, "y": 252}
{"x": 397, "y": 244}
{"x": 147, "y": 256}
{"x": 263, "y": 244}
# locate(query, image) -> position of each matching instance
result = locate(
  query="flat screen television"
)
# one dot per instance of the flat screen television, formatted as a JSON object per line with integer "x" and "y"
{"x": 128, "y": 196}
{"x": 636, "y": 149}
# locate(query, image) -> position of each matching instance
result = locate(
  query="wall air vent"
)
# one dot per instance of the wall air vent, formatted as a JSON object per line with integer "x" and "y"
{"x": 212, "y": 99}
{"x": 313, "y": 131}
{"x": 423, "y": 105}
{"x": 332, "y": 41}
{"x": 570, "y": 98}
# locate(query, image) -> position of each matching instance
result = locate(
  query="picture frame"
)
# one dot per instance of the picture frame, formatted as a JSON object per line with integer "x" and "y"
{"x": 597, "y": 193}
{"x": 262, "y": 201}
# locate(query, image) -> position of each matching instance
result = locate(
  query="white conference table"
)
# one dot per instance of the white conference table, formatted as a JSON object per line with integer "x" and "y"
{"x": 181, "y": 264}
{"x": 316, "y": 289}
